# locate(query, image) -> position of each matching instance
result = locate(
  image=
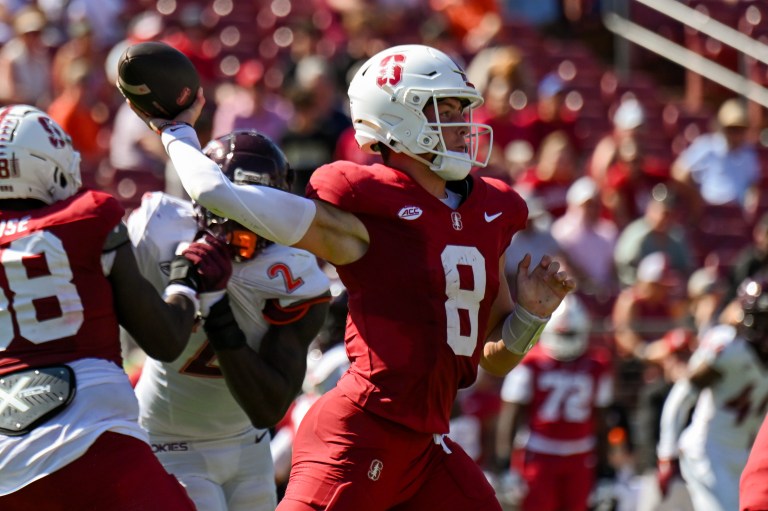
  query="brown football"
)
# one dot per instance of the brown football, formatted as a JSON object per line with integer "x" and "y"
{"x": 157, "y": 78}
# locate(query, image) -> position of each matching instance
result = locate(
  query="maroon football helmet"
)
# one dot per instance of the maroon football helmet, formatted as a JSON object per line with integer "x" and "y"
{"x": 246, "y": 158}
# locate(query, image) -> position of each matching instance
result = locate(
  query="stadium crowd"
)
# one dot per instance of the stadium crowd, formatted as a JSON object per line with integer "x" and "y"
{"x": 654, "y": 202}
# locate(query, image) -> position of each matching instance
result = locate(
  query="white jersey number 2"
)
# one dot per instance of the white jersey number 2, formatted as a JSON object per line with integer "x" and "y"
{"x": 465, "y": 287}
{"x": 46, "y": 304}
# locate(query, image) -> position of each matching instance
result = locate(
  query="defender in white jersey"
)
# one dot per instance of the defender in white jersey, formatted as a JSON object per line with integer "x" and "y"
{"x": 207, "y": 412}
{"x": 728, "y": 385}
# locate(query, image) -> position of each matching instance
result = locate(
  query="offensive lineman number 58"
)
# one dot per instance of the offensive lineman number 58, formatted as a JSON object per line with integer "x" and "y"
{"x": 55, "y": 282}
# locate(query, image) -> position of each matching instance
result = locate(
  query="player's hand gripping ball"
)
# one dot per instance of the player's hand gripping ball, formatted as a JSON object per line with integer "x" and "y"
{"x": 158, "y": 79}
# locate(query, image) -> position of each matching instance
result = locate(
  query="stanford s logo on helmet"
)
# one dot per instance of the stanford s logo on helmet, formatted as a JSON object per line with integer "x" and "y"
{"x": 390, "y": 70}
{"x": 246, "y": 158}
{"x": 37, "y": 160}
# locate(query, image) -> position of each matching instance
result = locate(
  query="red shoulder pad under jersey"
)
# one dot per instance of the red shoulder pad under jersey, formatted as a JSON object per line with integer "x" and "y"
{"x": 61, "y": 304}
{"x": 276, "y": 314}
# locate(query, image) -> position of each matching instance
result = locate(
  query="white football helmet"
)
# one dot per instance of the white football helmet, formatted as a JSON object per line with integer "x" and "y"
{"x": 387, "y": 97}
{"x": 37, "y": 160}
{"x": 566, "y": 335}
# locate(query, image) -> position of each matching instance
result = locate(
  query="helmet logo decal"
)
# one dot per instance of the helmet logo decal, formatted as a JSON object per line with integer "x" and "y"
{"x": 390, "y": 70}
{"x": 184, "y": 96}
{"x": 282, "y": 270}
{"x": 456, "y": 221}
{"x": 55, "y": 137}
{"x": 410, "y": 213}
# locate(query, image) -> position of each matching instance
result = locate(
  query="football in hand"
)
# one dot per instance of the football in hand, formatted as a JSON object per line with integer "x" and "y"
{"x": 157, "y": 78}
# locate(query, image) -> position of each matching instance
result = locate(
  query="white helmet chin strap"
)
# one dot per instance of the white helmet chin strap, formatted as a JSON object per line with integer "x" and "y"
{"x": 451, "y": 166}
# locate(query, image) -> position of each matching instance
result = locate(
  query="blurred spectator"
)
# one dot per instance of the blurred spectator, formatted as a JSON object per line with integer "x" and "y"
{"x": 78, "y": 46}
{"x": 658, "y": 230}
{"x": 543, "y": 14}
{"x": 7, "y": 9}
{"x": 642, "y": 314}
{"x": 74, "y": 110}
{"x": 133, "y": 146}
{"x": 25, "y": 63}
{"x": 622, "y": 170}
{"x": 751, "y": 260}
{"x": 317, "y": 122}
{"x": 547, "y": 115}
{"x": 472, "y": 22}
{"x": 622, "y": 142}
{"x": 589, "y": 240}
{"x": 671, "y": 354}
{"x": 248, "y": 104}
{"x": 707, "y": 291}
{"x": 536, "y": 239}
{"x": 551, "y": 175}
{"x": 104, "y": 16}
{"x": 721, "y": 167}
{"x": 189, "y": 35}
{"x": 504, "y": 78}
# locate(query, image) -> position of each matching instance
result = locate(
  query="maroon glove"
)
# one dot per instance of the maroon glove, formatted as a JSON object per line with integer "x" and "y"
{"x": 667, "y": 471}
{"x": 210, "y": 257}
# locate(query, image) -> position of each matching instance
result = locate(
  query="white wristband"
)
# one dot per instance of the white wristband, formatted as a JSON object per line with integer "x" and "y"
{"x": 521, "y": 330}
{"x": 178, "y": 289}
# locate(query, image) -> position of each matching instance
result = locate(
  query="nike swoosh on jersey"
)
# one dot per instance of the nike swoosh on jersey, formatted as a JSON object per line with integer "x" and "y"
{"x": 491, "y": 218}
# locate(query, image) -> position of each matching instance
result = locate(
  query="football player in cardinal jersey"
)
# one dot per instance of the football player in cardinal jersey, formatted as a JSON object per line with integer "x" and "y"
{"x": 208, "y": 411}
{"x": 560, "y": 391}
{"x": 69, "y": 432}
{"x": 418, "y": 243}
{"x": 727, "y": 388}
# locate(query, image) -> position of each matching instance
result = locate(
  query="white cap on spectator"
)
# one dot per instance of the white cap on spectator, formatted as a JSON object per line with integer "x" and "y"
{"x": 629, "y": 115}
{"x": 703, "y": 281}
{"x": 28, "y": 20}
{"x": 582, "y": 190}
{"x": 655, "y": 268}
{"x": 733, "y": 114}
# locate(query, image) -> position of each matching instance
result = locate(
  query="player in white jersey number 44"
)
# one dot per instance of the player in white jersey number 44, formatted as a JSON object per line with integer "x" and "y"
{"x": 727, "y": 386}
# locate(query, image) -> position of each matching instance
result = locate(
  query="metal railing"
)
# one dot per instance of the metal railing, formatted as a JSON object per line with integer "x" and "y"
{"x": 616, "y": 21}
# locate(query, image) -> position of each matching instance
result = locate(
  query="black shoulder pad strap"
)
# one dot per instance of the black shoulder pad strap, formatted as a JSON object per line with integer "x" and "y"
{"x": 116, "y": 237}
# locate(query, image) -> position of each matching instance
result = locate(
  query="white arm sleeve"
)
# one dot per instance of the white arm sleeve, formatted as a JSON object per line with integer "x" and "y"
{"x": 674, "y": 415}
{"x": 274, "y": 214}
